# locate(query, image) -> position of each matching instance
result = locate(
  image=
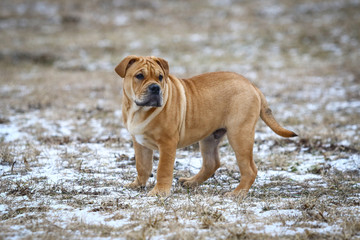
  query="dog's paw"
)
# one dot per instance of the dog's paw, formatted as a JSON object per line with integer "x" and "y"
{"x": 240, "y": 195}
{"x": 135, "y": 185}
{"x": 188, "y": 182}
{"x": 157, "y": 191}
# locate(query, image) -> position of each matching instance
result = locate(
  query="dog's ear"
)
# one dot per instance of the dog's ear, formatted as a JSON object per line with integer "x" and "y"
{"x": 164, "y": 65}
{"x": 125, "y": 64}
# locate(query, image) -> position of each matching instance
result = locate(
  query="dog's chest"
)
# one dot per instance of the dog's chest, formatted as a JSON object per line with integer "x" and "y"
{"x": 145, "y": 141}
{"x": 140, "y": 139}
{"x": 138, "y": 119}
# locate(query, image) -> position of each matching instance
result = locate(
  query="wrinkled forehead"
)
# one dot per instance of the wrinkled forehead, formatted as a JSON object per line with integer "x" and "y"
{"x": 149, "y": 66}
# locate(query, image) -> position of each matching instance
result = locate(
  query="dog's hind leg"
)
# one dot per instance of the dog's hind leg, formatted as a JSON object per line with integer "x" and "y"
{"x": 209, "y": 148}
{"x": 242, "y": 142}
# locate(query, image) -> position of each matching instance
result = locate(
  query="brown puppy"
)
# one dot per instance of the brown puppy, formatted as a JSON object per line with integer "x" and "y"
{"x": 164, "y": 113}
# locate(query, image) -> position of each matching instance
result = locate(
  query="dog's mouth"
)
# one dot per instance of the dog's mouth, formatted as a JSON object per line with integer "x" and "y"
{"x": 150, "y": 101}
{"x": 152, "y": 97}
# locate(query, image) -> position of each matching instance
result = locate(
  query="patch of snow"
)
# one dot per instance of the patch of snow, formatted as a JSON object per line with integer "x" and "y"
{"x": 19, "y": 90}
{"x": 197, "y": 37}
{"x": 337, "y": 106}
{"x": 332, "y": 47}
{"x": 306, "y": 161}
{"x": 104, "y": 43}
{"x": 3, "y": 208}
{"x": 221, "y": 3}
{"x": 135, "y": 44}
{"x": 273, "y": 10}
{"x": 191, "y": 162}
{"x": 12, "y": 131}
{"x": 266, "y": 176}
{"x": 125, "y": 134}
{"x": 347, "y": 164}
{"x": 178, "y": 70}
{"x": 121, "y": 20}
{"x": 47, "y": 9}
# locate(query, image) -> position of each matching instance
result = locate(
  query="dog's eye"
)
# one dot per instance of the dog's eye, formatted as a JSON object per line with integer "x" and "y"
{"x": 140, "y": 76}
{"x": 160, "y": 77}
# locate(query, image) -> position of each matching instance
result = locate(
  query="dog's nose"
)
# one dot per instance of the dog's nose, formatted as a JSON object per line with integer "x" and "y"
{"x": 154, "y": 88}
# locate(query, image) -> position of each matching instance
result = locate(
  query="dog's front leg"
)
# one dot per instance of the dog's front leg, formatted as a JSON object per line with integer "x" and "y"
{"x": 143, "y": 158}
{"x": 165, "y": 169}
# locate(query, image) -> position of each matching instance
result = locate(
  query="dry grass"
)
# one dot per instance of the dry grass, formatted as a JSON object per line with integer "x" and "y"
{"x": 65, "y": 156}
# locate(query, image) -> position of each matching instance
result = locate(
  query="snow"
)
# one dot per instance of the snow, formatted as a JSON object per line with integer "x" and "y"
{"x": 10, "y": 132}
{"x": 347, "y": 105}
{"x": 121, "y": 20}
{"x": 191, "y": 162}
{"x": 347, "y": 164}
{"x": 3, "y": 207}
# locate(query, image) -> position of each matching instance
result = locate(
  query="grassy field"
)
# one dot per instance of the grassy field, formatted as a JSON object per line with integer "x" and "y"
{"x": 65, "y": 155}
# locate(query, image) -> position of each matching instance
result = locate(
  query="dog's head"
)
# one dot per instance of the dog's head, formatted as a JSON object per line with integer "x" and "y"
{"x": 144, "y": 79}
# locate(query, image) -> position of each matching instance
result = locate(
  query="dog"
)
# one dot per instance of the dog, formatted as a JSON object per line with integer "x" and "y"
{"x": 163, "y": 112}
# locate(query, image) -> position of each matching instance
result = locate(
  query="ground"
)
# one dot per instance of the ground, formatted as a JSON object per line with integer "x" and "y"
{"x": 66, "y": 156}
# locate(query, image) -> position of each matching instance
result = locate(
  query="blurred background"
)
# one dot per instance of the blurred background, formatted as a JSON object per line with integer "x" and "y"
{"x": 195, "y": 36}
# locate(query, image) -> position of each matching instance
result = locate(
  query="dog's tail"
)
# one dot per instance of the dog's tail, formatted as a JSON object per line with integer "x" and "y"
{"x": 267, "y": 116}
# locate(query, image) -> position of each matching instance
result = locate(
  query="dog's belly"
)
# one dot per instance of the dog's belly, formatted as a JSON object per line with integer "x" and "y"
{"x": 189, "y": 138}
{"x": 195, "y": 136}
